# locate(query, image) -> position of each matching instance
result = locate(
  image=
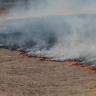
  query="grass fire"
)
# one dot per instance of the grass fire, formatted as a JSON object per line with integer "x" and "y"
{"x": 51, "y": 33}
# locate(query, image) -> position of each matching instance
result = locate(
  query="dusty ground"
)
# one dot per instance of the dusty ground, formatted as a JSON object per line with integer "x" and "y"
{"x": 20, "y": 76}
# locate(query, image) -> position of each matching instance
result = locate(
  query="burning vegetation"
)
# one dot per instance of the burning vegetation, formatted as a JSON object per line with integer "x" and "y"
{"x": 54, "y": 38}
{"x": 42, "y": 40}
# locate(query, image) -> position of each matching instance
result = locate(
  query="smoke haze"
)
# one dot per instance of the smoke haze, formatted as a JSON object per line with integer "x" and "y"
{"x": 48, "y": 30}
{"x": 54, "y": 7}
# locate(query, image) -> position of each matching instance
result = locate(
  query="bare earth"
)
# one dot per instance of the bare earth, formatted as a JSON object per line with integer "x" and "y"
{"x": 20, "y": 76}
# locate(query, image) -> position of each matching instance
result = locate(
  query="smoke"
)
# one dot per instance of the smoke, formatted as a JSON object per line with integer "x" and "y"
{"x": 53, "y": 7}
{"x": 46, "y": 31}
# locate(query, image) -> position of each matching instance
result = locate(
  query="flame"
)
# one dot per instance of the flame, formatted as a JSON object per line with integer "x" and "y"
{"x": 85, "y": 66}
{"x": 41, "y": 59}
{"x": 95, "y": 93}
{"x": 73, "y": 62}
{"x": 7, "y": 18}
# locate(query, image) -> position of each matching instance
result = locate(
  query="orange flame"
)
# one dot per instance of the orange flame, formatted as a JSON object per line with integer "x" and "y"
{"x": 95, "y": 93}
{"x": 7, "y": 18}
{"x": 73, "y": 62}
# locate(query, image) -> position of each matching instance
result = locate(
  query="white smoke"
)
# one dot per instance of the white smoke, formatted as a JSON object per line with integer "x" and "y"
{"x": 46, "y": 31}
{"x": 53, "y": 7}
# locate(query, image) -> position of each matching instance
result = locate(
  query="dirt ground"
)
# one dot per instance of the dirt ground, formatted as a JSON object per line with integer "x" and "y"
{"x": 20, "y": 76}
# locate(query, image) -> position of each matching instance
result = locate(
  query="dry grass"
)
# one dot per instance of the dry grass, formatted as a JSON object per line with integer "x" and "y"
{"x": 21, "y": 76}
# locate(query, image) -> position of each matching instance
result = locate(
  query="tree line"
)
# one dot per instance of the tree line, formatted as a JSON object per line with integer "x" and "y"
{"x": 14, "y": 1}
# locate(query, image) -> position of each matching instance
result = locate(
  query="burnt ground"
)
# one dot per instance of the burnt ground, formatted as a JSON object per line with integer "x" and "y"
{"x": 20, "y": 76}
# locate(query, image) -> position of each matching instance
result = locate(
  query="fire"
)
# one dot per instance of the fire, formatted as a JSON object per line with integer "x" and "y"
{"x": 7, "y": 18}
{"x": 85, "y": 66}
{"x": 41, "y": 59}
{"x": 73, "y": 62}
{"x": 95, "y": 92}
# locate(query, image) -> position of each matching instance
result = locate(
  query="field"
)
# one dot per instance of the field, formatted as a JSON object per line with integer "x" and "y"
{"x": 20, "y": 76}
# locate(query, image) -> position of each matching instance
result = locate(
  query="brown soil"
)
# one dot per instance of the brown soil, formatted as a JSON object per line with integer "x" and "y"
{"x": 20, "y": 76}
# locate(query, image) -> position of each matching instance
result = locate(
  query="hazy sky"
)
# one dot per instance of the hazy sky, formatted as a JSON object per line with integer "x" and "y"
{"x": 63, "y": 7}
{"x": 56, "y": 7}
